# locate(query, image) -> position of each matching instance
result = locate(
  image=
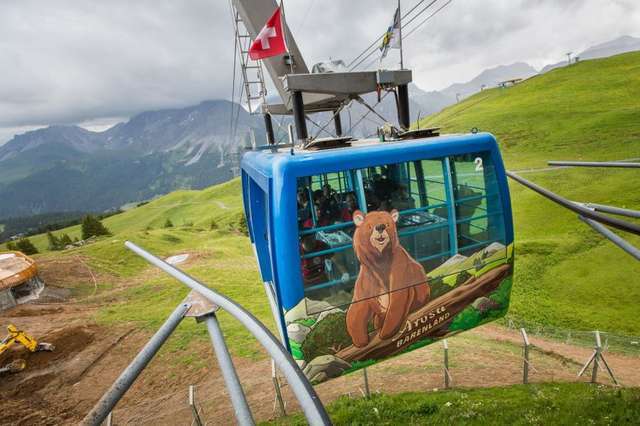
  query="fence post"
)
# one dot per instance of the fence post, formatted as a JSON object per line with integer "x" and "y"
{"x": 276, "y": 385}
{"x": 367, "y": 394}
{"x": 525, "y": 364}
{"x": 194, "y": 409}
{"x": 596, "y": 358}
{"x": 447, "y": 376}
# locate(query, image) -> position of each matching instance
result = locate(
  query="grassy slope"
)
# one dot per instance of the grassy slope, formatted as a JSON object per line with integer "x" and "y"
{"x": 589, "y": 110}
{"x": 566, "y": 275}
{"x": 558, "y": 404}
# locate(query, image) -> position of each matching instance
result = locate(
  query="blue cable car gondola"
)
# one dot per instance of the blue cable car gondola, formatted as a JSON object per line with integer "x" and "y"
{"x": 380, "y": 247}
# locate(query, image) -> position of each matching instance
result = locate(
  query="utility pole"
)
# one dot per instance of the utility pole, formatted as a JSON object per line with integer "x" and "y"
{"x": 569, "y": 58}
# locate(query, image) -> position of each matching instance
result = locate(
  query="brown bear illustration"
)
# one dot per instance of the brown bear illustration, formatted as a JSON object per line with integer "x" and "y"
{"x": 390, "y": 284}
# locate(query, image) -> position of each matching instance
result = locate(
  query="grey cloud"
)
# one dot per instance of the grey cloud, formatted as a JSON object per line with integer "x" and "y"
{"x": 71, "y": 61}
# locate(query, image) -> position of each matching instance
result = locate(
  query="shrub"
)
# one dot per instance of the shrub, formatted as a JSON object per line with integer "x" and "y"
{"x": 91, "y": 227}
{"x": 168, "y": 223}
{"x": 54, "y": 242}
{"x": 65, "y": 240}
{"x": 213, "y": 225}
{"x": 241, "y": 225}
{"x": 26, "y": 247}
{"x": 11, "y": 246}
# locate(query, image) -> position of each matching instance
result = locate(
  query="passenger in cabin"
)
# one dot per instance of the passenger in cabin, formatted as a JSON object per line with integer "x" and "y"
{"x": 383, "y": 186}
{"x": 350, "y": 205}
{"x": 322, "y": 219}
{"x": 315, "y": 270}
{"x": 386, "y": 206}
{"x": 372, "y": 201}
{"x": 401, "y": 199}
{"x": 331, "y": 205}
{"x": 303, "y": 206}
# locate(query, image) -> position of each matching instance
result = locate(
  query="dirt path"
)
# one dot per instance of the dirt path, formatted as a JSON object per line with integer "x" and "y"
{"x": 61, "y": 387}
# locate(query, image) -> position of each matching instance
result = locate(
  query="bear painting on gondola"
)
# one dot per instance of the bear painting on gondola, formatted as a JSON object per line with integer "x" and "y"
{"x": 390, "y": 283}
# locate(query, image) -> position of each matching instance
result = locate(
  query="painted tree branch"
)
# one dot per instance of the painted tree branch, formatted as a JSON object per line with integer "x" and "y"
{"x": 431, "y": 320}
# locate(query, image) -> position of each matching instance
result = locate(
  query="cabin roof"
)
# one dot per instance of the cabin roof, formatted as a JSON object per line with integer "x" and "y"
{"x": 262, "y": 164}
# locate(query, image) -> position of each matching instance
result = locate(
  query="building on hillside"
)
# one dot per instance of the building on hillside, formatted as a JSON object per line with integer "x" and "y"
{"x": 507, "y": 83}
{"x": 19, "y": 281}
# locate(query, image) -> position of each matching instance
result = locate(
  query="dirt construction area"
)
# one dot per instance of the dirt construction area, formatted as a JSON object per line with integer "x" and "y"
{"x": 60, "y": 387}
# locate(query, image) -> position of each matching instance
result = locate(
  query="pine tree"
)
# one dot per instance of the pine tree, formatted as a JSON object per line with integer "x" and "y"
{"x": 26, "y": 247}
{"x": 65, "y": 240}
{"x": 54, "y": 242}
{"x": 91, "y": 227}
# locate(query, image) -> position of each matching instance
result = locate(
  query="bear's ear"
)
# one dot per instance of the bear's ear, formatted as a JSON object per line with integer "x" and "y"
{"x": 395, "y": 215}
{"x": 358, "y": 217}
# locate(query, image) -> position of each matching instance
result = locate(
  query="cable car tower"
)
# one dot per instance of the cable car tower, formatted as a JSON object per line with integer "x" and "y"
{"x": 303, "y": 92}
{"x": 371, "y": 247}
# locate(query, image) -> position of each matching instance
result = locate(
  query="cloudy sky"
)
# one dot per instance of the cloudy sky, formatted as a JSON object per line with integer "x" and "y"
{"x": 96, "y": 62}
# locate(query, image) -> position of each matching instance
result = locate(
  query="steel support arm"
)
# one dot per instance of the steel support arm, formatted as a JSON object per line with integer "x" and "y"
{"x": 312, "y": 407}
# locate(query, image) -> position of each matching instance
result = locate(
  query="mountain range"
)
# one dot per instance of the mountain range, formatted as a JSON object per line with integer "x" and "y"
{"x": 71, "y": 169}
{"x": 604, "y": 50}
{"x": 68, "y": 168}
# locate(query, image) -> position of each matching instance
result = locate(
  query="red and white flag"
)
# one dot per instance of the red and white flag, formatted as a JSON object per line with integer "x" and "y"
{"x": 270, "y": 40}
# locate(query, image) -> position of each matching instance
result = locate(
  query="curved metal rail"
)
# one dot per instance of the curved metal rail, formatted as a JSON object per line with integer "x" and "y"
{"x": 309, "y": 401}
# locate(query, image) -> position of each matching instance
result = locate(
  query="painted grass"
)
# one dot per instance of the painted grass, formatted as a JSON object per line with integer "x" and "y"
{"x": 551, "y": 403}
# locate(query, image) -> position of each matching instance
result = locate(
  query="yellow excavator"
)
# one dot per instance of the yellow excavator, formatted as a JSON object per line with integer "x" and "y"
{"x": 19, "y": 336}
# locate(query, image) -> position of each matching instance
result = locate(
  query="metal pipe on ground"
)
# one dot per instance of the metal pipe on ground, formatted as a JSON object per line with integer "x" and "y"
{"x": 122, "y": 384}
{"x": 611, "y": 236}
{"x": 618, "y": 164}
{"x": 309, "y": 401}
{"x": 583, "y": 211}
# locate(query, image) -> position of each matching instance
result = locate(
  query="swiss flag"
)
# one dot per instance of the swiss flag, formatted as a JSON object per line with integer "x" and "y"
{"x": 270, "y": 40}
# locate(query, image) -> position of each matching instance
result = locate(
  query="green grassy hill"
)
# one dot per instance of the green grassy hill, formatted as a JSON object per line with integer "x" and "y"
{"x": 566, "y": 274}
{"x": 554, "y": 403}
{"x": 589, "y": 110}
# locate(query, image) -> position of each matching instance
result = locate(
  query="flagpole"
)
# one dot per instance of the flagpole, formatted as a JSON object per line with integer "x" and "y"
{"x": 400, "y": 34}
{"x": 284, "y": 34}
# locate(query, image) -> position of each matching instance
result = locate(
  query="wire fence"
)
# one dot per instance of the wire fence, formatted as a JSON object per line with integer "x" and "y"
{"x": 611, "y": 342}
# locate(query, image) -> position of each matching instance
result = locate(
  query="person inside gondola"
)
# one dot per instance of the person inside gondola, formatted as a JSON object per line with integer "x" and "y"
{"x": 317, "y": 269}
{"x": 303, "y": 206}
{"x": 401, "y": 199}
{"x": 323, "y": 219}
{"x": 349, "y": 207}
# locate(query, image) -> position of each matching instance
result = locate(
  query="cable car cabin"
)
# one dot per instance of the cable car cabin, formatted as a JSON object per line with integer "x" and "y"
{"x": 379, "y": 248}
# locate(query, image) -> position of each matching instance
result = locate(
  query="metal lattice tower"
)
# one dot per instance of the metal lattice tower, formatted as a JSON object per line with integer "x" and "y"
{"x": 252, "y": 73}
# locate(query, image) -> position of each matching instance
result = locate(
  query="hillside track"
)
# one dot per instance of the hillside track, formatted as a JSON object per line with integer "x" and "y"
{"x": 60, "y": 387}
